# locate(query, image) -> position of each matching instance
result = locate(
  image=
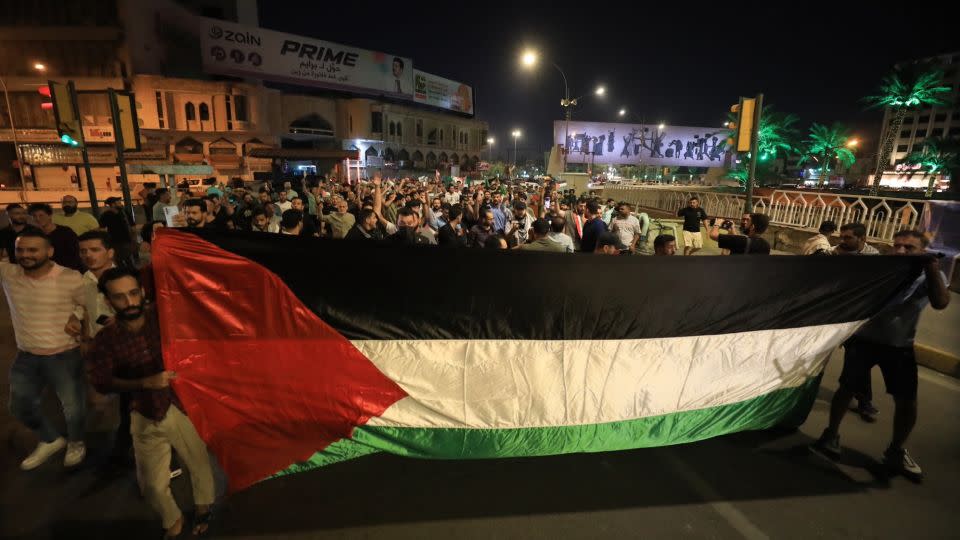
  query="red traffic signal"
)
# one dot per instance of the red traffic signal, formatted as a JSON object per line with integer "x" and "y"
{"x": 45, "y": 92}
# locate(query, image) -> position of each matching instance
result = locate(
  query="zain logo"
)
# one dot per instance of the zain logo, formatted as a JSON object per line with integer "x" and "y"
{"x": 218, "y": 53}
{"x": 216, "y": 32}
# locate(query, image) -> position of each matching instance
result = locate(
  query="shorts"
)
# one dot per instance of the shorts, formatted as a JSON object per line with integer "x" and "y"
{"x": 692, "y": 239}
{"x": 898, "y": 365}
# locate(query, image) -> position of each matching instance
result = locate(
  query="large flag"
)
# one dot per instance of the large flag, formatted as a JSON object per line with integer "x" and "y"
{"x": 296, "y": 353}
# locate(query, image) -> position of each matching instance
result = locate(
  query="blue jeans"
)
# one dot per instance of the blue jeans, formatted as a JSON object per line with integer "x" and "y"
{"x": 64, "y": 371}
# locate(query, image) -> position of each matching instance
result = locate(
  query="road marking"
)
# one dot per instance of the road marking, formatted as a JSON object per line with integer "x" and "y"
{"x": 734, "y": 517}
{"x": 939, "y": 379}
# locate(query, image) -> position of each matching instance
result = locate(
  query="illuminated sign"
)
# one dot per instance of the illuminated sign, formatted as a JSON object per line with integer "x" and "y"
{"x": 647, "y": 144}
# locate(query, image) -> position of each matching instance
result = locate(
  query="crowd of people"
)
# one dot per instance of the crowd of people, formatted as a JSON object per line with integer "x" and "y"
{"x": 84, "y": 325}
{"x": 495, "y": 215}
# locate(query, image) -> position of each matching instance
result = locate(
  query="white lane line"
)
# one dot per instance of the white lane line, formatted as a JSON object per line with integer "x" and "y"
{"x": 939, "y": 379}
{"x": 727, "y": 511}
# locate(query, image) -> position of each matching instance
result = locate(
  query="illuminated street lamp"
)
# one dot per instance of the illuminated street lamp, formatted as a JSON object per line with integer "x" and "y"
{"x": 490, "y": 141}
{"x": 529, "y": 58}
{"x": 852, "y": 143}
{"x": 661, "y": 126}
{"x": 622, "y": 112}
{"x": 39, "y": 66}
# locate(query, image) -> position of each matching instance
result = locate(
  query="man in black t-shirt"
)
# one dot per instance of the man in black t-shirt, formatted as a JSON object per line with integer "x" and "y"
{"x": 449, "y": 235}
{"x": 750, "y": 244}
{"x": 118, "y": 226}
{"x": 692, "y": 215}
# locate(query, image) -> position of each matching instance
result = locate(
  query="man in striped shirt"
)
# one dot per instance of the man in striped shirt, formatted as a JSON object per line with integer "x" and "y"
{"x": 44, "y": 299}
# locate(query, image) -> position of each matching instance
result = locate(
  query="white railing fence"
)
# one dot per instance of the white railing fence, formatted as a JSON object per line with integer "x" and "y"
{"x": 882, "y": 216}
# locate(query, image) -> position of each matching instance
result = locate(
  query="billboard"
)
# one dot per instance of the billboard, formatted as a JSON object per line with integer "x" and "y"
{"x": 647, "y": 144}
{"x": 246, "y": 51}
{"x": 444, "y": 93}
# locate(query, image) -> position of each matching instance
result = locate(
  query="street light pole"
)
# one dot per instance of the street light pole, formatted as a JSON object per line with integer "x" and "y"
{"x": 516, "y": 135}
{"x": 567, "y": 114}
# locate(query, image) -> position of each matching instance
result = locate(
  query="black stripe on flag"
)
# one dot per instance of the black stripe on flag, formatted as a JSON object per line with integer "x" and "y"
{"x": 369, "y": 291}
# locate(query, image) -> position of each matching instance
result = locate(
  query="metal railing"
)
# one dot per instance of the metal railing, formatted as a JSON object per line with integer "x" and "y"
{"x": 805, "y": 210}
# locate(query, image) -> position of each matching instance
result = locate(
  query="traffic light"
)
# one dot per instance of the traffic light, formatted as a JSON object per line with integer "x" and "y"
{"x": 743, "y": 126}
{"x": 45, "y": 92}
{"x": 65, "y": 111}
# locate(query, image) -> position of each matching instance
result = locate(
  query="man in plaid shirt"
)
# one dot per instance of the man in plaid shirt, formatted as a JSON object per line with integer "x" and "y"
{"x": 127, "y": 358}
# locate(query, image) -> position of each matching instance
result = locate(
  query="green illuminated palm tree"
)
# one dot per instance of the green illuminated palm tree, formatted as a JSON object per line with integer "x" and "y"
{"x": 777, "y": 133}
{"x": 902, "y": 91}
{"x": 776, "y": 136}
{"x": 826, "y": 143}
{"x": 937, "y": 156}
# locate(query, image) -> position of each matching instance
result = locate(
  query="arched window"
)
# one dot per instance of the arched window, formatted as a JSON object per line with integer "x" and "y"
{"x": 190, "y": 111}
{"x": 204, "y": 112}
{"x": 465, "y": 140}
{"x": 399, "y": 129}
{"x": 393, "y": 128}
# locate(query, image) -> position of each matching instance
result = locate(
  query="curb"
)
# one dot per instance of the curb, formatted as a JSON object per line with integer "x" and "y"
{"x": 938, "y": 360}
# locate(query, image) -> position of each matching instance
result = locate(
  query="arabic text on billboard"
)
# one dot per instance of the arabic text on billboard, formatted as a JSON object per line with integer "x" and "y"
{"x": 444, "y": 93}
{"x": 233, "y": 49}
{"x": 610, "y": 143}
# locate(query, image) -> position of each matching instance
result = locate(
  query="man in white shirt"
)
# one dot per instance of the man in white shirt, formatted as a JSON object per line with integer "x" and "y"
{"x": 626, "y": 227}
{"x": 452, "y": 196}
{"x": 819, "y": 244}
{"x": 556, "y": 234}
{"x": 97, "y": 255}
{"x": 853, "y": 241}
{"x": 45, "y": 299}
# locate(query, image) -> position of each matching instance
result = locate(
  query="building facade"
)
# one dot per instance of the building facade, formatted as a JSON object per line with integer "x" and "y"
{"x": 193, "y": 125}
{"x": 920, "y": 125}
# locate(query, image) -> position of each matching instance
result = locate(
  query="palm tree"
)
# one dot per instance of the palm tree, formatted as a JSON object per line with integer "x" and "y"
{"x": 826, "y": 143}
{"x": 938, "y": 156}
{"x": 902, "y": 91}
{"x": 777, "y": 135}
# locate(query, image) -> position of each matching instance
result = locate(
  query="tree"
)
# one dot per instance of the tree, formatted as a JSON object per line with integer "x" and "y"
{"x": 904, "y": 90}
{"x": 776, "y": 136}
{"x": 826, "y": 143}
{"x": 937, "y": 156}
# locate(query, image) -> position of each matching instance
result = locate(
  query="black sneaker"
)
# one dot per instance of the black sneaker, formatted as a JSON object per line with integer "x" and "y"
{"x": 867, "y": 412}
{"x": 827, "y": 445}
{"x": 900, "y": 461}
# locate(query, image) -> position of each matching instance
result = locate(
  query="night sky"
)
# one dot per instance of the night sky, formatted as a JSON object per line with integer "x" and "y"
{"x": 680, "y": 63}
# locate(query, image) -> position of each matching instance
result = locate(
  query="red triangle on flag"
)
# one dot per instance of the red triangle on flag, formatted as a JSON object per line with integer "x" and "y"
{"x": 265, "y": 381}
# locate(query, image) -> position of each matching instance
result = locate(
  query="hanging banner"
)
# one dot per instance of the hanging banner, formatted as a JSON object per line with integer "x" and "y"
{"x": 444, "y": 93}
{"x": 246, "y": 51}
{"x": 647, "y": 144}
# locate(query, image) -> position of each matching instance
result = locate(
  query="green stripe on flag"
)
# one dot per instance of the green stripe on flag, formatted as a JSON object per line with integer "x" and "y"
{"x": 786, "y": 406}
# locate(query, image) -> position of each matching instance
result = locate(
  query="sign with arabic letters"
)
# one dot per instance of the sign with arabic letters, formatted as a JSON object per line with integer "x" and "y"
{"x": 246, "y": 51}
{"x": 647, "y": 144}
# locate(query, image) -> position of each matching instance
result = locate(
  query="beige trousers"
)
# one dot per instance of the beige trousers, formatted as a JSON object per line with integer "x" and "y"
{"x": 151, "y": 444}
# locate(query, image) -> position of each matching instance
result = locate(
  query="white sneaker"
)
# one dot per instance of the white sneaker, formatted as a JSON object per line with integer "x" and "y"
{"x": 42, "y": 453}
{"x": 76, "y": 451}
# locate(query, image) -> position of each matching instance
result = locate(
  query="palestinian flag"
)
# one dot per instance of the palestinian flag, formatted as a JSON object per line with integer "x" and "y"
{"x": 295, "y": 353}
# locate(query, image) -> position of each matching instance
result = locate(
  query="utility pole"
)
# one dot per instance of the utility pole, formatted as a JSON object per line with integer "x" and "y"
{"x": 91, "y": 187}
{"x": 754, "y": 154}
{"x": 121, "y": 161}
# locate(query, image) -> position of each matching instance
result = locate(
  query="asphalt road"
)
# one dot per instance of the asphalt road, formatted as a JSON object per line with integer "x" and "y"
{"x": 748, "y": 485}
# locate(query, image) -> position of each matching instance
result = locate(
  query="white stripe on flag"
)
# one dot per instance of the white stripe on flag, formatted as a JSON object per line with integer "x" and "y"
{"x": 530, "y": 383}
